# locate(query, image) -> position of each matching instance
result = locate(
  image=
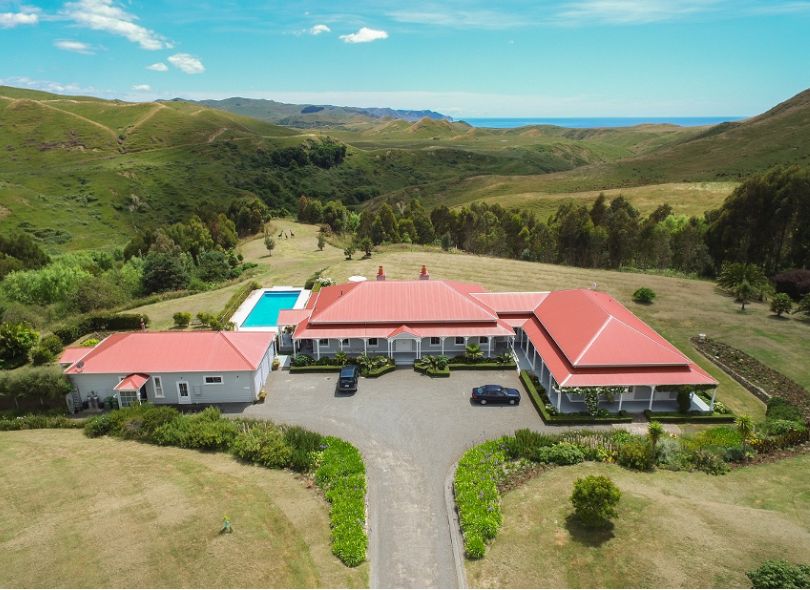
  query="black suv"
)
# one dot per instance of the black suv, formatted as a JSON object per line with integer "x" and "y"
{"x": 347, "y": 380}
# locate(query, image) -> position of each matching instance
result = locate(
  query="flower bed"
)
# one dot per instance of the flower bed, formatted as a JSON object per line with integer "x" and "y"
{"x": 426, "y": 369}
{"x": 540, "y": 401}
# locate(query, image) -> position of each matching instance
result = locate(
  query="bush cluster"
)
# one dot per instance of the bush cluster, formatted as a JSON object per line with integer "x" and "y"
{"x": 477, "y": 496}
{"x": 340, "y": 470}
{"x": 34, "y": 421}
{"x": 33, "y": 389}
{"x": 82, "y": 325}
{"x": 342, "y": 476}
{"x": 780, "y": 574}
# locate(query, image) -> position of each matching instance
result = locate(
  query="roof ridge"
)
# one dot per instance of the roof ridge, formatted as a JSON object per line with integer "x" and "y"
{"x": 232, "y": 345}
{"x": 593, "y": 339}
{"x": 469, "y": 297}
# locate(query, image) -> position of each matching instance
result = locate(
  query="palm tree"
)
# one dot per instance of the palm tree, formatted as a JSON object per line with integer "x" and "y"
{"x": 473, "y": 352}
{"x": 744, "y": 281}
{"x": 744, "y": 292}
{"x": 655, "y": 431}
{"x": 745, "y": 426}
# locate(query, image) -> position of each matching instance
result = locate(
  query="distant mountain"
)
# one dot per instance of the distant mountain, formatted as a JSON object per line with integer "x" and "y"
{"x": 310, "y": 115}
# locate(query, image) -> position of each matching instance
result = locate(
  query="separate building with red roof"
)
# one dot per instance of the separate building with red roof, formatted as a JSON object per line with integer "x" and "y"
{"x": 572, "y": 339}
{"x": 173, "y": 367}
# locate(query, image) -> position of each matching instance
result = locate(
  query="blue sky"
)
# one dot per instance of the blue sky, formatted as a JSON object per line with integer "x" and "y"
{"x": 509, "y": 59}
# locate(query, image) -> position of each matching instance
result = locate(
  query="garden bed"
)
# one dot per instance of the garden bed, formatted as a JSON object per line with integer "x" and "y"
{"x": 761, "y": 380}
{"x": 431, "y": 372}
{"x": 678, "y": 417}
{"x": 482, "y": 366}
{"x": 375, "y": 372}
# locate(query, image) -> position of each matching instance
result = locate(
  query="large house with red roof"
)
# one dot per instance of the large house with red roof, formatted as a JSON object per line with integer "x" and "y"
{"x": 571, "y": 339}
{"x": 172, "y": 367}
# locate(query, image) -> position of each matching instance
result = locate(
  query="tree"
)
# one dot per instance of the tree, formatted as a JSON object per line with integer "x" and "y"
{"x": 745, "y": 427}
{"x": 321, "y": 240}
{"x": 804, "y": 306}
{"x": 780, "y": 574}
{"x": 366, "y": 246}
{"x": 744, "y": 292}
{"x": 655, "y": 431}
{"x": 348, "y": 252}
{"x": 164, "y": 272}
{"x": 595, "y": 498}
{"x": 269, "y": 242}
{"x": 473, "y": 351}
{"x": 644, "y": 295}
{"x": 16, "y": 341}
{"x": 181, "y": 319}
{"x": 781, "y": 303}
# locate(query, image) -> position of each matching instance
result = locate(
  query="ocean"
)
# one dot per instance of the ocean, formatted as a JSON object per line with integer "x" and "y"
{"x": 590, "y": 122}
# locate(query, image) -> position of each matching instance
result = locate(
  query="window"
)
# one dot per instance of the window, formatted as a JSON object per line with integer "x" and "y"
{"x": 372, "y": 342}
{"x": 483, "y": 340}
{"x": 435, "y": 340}
{"x": 158, "y": 385}
{"x": 212, "y": 380}
{"x": 323, "y": 342}
{"x": 345, "y": 342}
{"x": 459, "y": 340}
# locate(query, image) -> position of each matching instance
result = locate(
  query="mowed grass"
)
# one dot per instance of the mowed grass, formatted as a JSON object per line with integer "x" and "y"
{"x": 539, "y": 194}
{"x": 683, "y": 307}
{"x": 673, "y": 530}
{"x": 81, "y": 512}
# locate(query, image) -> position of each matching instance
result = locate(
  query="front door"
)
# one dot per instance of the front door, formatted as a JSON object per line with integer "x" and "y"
{"x": 182, "y": 393}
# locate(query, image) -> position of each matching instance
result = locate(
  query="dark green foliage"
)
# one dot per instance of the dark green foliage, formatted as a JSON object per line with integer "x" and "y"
{"x": 52, "y": 343}
{"x": 141, "y": 422}
{"x": 780, "y": 574}
{"x": 33, "y": 389}
{"x": 204, "y": 430}
{"x": 526, "y": 444}
{"x": 41, "y": 356}
{"x": 635, "y": 454}
{"x": 477, "y": 496}
{"x": 82, "y": 325}
{"x": 18, "y": 252}
{"x": 304, "y": 444}
{"x": 644, "y": 295}
{"x": 164, "y": 272}
{"x": 709, "y": 462}
{"x": 794, "y": 282}
{"x": 779, "y": 408}
{"x": 781, "y": 303}
{"x": 181, "y": 319}
{"x": 684, "y": 399}
{"x": 35, "y": 421}
{"x": 16, "y": 341}
{"x": 563, "y": 453}
{"x": 342, "y": 476}
{"x": 262, "y": 443}
{"x": 595, "y": 498}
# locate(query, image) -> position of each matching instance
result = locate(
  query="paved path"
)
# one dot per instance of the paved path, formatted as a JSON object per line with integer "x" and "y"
{"x": 410, "y": 429}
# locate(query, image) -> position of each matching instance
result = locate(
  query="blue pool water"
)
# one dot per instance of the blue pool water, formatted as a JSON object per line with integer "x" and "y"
{"x": 265, "y": 312}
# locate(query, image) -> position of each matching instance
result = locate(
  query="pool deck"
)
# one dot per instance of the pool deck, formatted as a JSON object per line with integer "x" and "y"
{"x": 241, "y": 314}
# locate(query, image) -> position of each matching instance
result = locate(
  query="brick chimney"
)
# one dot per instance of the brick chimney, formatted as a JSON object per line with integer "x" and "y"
{"x": 380, "y": 274}
{"x": 423, "y": 274}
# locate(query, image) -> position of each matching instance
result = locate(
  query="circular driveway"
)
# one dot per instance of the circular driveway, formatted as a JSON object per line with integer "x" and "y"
{"x": 411, "y": 429}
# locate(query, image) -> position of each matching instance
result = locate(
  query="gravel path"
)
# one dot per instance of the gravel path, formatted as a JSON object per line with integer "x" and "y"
{"x": 411, "y": 429}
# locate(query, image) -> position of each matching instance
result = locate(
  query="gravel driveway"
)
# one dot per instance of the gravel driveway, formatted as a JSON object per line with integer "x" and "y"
{"x": 410, "y": 430}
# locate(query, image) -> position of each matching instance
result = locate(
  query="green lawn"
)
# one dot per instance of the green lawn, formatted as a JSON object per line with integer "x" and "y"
{"x": 681, "y": 530}
{"x": 79, "y": 512}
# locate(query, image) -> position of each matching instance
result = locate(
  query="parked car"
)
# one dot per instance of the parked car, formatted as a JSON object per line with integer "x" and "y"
{"x": 347, "y": 380}
{"x": 495, "y": 394}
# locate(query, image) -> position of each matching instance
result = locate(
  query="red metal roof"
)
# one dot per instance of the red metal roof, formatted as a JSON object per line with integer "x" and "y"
{"x": 594, "y": 330}
{"x": 73, "y": 354}
{"x": 390, "y": 330}
{"x": 514, "y": 302}
{"x": 132, "y": 382}
{"x": 168, "y": 352}
{"x": 292, "y": 317}
{"x": 401, "y": 302}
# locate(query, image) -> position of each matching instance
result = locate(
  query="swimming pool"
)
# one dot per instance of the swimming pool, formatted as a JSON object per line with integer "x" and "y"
{"x": 265, "y": 311}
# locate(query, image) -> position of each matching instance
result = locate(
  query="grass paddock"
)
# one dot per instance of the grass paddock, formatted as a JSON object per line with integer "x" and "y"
{"x": 81, "y": 512}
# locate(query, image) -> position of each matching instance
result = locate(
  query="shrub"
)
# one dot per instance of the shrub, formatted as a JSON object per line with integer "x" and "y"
{"x": 779, "y": 408}
{"x": 302, "y": 360}
{"x": 16, "y": 341}
{"x": 563, "y": 453}
{"x": 781, "y": 427}
{"x": 304, "y": 445}
{"x": 100, "y": 425}
{"x": 635, "y": 454}
{"x": 51, "y": 343}
{"x": 142, "y": 421}
{"x": 780, "y": 574}
{"x": 719, "y": 436}
{"x": 342, "y": 476}
{"x": 644, "y": 295}
{"x": 781, "y": 303}
{"x": 41, "y": 356}
{"x": 794, "y": 282}
{"x": 182, "y": 319}
{"x": 262, "y": 443}
{"x": 595, "y": 498}
{"x": 708, "y": 462}
{"x": 477, "y": 496}
{"x": 684, "y": 400}
{"x": 34, "y": 389}
{"x": 205, "y": 430}
{"x": 526, "y": 444}
{"x": 34, "y": 421}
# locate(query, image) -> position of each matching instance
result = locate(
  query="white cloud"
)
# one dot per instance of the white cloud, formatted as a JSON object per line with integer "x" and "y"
{"x": 460, "y": 19}
{"x": 318, "y": 29}
{"x": 51, "y": 86}
{"x": 187, "y": 63}
{"x": 364, "y": 35}
{"x": 142, "y": 88}
{"x": 9, "y": 20}
{"x": 74, "y": 46}
{"x": 105, "y": 15}
{"x": 158, "y": 67}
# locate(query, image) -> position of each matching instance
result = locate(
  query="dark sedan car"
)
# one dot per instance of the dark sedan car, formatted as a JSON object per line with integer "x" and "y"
{"x": 495, "y": 394}
{"x": 347, "y": 380}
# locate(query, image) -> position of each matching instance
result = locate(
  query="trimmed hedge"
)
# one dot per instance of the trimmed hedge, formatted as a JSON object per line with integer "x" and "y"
{"x": 316, "y": 369}
{"x": 237, "y": 299}
{"x": 571, "y": 419}
{"x": 678, "y": 418}
{"x": 375, "y": 372}
{"x": 342, "y": 477}
{"x": 35, "y": 421}
{"x": 82, "y": 325}
{"x": 478, "y": 500}
{"x": 427, "y": 370}
{"x": 480, "y": 366}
